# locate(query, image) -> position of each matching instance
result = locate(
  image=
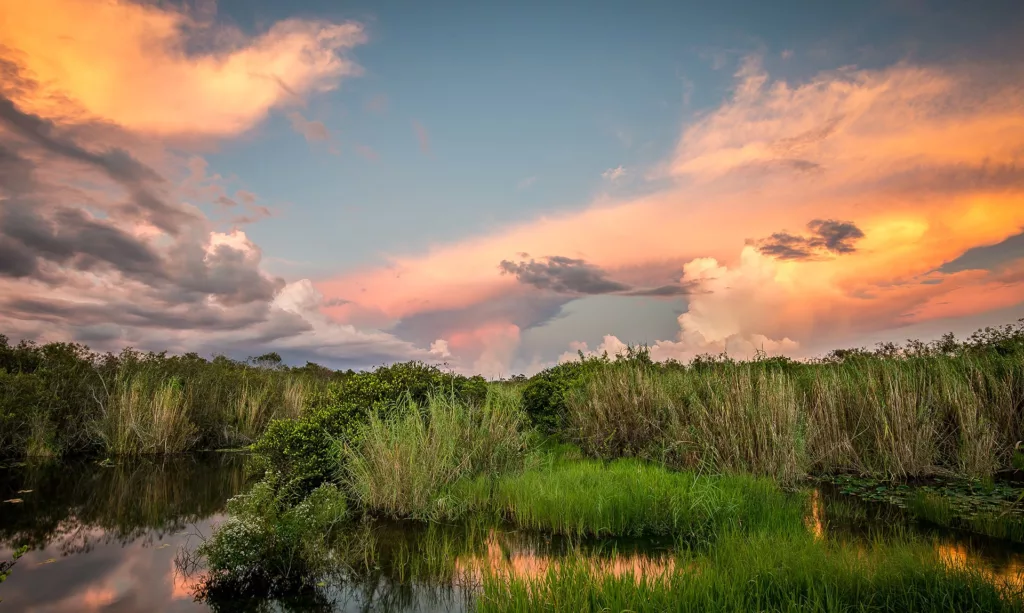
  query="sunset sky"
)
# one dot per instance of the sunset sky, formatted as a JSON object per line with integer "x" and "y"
{"x": 500, "y": 185}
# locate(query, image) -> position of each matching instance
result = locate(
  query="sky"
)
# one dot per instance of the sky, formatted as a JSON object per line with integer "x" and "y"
{"x": 498, "y": 188}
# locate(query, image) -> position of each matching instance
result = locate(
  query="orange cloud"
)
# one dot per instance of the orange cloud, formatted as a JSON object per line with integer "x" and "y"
{"x": 128, "y": 64}
{"x": 923, "y": 160}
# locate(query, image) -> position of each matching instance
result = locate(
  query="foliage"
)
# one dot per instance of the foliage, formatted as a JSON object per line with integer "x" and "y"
{"x": 545, "y": 394}
{"x": 300, "y": 454}
{"x": 267, "y": 547}
{"x": 7, "y": 565}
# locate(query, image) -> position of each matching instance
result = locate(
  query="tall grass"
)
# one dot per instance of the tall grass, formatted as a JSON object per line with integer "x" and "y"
{"x": 144, "y": 414}
{"x": 761, "y": 573}
{"x": 406, "y": 463}
{"x": 892, "y": 417}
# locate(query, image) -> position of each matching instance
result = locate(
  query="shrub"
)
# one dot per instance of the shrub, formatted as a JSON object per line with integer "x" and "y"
{"x": 379, "y": 389}
{"x": 268, "y": 547}
{"x": 545, "y": 395}
{"x": 300, "y": 454}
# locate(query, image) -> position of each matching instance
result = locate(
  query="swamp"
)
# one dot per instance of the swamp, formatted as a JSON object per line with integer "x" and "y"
{"x": 868, "y": 480}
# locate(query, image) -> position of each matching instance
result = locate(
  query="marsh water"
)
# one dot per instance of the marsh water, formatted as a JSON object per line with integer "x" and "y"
{"x": 105, "y": 537}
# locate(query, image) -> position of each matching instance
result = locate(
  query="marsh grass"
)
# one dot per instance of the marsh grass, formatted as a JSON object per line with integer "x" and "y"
{"x": 761, "y": 573}
{"x": 405, "y": 464}
{"x": 144, "y": 413}
{"x": 894, "y": 417}
{"x": 734, "y": 418}
{"x": 630, "y": 497}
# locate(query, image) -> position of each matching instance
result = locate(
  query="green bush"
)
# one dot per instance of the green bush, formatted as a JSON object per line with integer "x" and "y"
{"x": 545, "y": 394}
{"x": 380, "y": 388}
{"x": 267, "y": 547}
{"x": 300, "y": 454}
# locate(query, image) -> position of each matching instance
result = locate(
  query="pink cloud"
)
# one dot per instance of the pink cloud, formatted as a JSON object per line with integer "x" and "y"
{"x": 422, "y": 136}
{"x": 312, "y": 131}
{"x": 869, "y": 146}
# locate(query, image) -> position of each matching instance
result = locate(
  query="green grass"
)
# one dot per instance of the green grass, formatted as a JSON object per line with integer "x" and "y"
{"x": 760, "y": 573}
{"x": 631, "y": 497}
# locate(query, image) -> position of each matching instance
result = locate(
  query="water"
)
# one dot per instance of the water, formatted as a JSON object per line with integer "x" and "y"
{"x": 105, "y": 538}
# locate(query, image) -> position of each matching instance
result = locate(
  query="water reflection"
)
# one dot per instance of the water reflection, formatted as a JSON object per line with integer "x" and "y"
{"x": 105, "y": 538}
{"x": 522, "y": 558}
{"x": 855, "y": 522}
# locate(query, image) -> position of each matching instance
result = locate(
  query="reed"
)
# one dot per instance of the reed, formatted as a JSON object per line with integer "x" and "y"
{"x": 893, "y": 417}
{"x": 405, "y": 465}
{"x": 144, "y": 414}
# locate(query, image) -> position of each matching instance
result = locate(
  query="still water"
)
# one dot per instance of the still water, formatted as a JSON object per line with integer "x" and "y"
{"x": 105, "y": 538}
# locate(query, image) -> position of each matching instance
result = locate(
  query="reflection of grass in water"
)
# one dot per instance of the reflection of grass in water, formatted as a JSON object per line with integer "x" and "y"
{"x": 75, "y": 503}
{"x": 938, "y": 509}
{"x": 760, "y": 572}
{"x": 391, "y": 566}
{"x": 989, "y": 508}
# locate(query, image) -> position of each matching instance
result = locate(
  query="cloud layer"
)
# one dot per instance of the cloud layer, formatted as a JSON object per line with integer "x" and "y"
{"x": 102, "y": 236}
{"x": 790, "y": 216}
{"x": 899, "y": 169}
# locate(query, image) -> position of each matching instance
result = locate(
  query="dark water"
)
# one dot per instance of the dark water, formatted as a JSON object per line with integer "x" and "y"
{"x": 105, "y": 538}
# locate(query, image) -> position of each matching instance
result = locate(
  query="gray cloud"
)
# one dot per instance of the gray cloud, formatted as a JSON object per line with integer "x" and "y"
{"x": 835, "y": 236}
{"x": 69, "y": 237}
{"x": 678, "y": 289}
{"x": 117, "y": 164}
{"x": 522, "y": 308}
{"x": 826, "y": 236}
{"x": 563, "y": 275}
{"x": 989, "y": 257}
{"x": 51, "y": 230}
